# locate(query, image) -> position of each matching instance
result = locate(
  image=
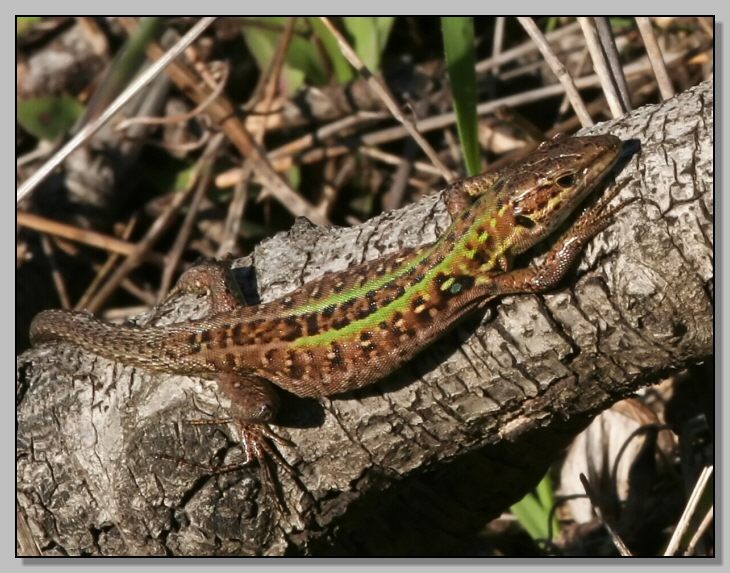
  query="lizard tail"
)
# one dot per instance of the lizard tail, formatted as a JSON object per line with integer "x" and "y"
{"x": 128, "y": 343}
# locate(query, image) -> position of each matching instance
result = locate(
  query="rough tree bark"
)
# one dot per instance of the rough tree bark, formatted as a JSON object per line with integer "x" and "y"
{"x": 419, "y": 462}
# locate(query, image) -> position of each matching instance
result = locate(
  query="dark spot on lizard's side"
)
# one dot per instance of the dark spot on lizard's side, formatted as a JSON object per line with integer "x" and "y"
{"x": 295, "y": 368}
{"x": 373, "y": 305}
{"x": 312, "y": 324}
{"x": 383, "y": 325}
{"x": 291, "y": 320}
{"x": 329, "y": 310}
{"x": 205, "y": 337}
{"x": 365, "y": 335}
{"x": 482, "y": 256}
{"x": 339, "y": 323}
{"x": 398, "y": 323}
{"x": 193, "y": 342}
{"x": 222, "y": 338}
{"x": 229, "y": 361}
{"x": 423, "y": 317}
{"x": 238, "y": 334}
{"x": 269, "y": 355}
{"x": 440, "y": 279}
{"x": 364, "y": 312}
{"x": 293, "y": 333}
{"x": 336, "y": 358}
{"x": 367, "y": 348}
{"x": 385, "y": 297}
{"x": 466, "y": 282}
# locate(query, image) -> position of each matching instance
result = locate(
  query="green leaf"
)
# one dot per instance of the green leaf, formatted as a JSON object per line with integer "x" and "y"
{"x": 344, "y": 72}
{"x": 23, "y": 24}
{"x": 49, "y": 117}
{"x": 552, "y": 24}
{"x": 369, "y": 37}
{"x": 183, "y": 177}
{"x": 531, "y": 516}
{"x": 385, "y": 25}
{"x": 533, "y": 511}
{"x": 458, "y": 34}
{"x": 294, "y": 176}
{"x": 304, "y": 62}
{"x": 621, "y": 24}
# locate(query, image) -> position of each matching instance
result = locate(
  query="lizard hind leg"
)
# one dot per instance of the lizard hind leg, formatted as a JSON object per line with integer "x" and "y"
{"x": 254, "y": 404}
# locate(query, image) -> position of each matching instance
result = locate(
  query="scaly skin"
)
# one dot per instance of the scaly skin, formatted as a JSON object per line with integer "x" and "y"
{"x": 351, "y": 328}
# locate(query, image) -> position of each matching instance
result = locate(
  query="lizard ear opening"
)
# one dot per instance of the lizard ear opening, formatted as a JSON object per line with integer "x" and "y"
{"x": 524, "y": 221}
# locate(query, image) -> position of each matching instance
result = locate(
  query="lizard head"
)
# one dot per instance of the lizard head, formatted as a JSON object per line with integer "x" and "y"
{"x": 535, "y": 195}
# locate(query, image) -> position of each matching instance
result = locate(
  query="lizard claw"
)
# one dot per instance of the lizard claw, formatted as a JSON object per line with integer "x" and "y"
{"x": 257, "y": 445}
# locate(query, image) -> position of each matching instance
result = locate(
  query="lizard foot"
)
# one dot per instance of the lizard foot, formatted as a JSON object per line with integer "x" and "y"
{"x": 259, "y": 444}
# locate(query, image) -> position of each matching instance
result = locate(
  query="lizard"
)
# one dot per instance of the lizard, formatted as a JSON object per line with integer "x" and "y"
{"x": 351, "y": 328}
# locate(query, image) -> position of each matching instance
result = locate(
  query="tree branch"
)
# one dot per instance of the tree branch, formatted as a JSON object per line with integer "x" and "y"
{"x": 419, "y": 462}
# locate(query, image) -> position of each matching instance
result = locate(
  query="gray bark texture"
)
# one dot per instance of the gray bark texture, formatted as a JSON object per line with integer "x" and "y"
{"x": 417, "y": 463}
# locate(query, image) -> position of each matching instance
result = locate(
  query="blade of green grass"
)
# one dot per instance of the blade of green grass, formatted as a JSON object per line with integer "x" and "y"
{"x": 546, "y": 497}
{"x": 458, "y": 34}
{"x": 125, "y": 65}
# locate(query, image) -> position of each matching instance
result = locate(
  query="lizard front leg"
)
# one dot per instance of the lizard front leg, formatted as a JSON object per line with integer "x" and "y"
{"x": 561, "y": 257}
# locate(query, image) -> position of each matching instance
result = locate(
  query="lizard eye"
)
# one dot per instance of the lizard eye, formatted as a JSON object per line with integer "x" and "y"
{"x": 566, "y": 180}
{"x": 524, "y": 221}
